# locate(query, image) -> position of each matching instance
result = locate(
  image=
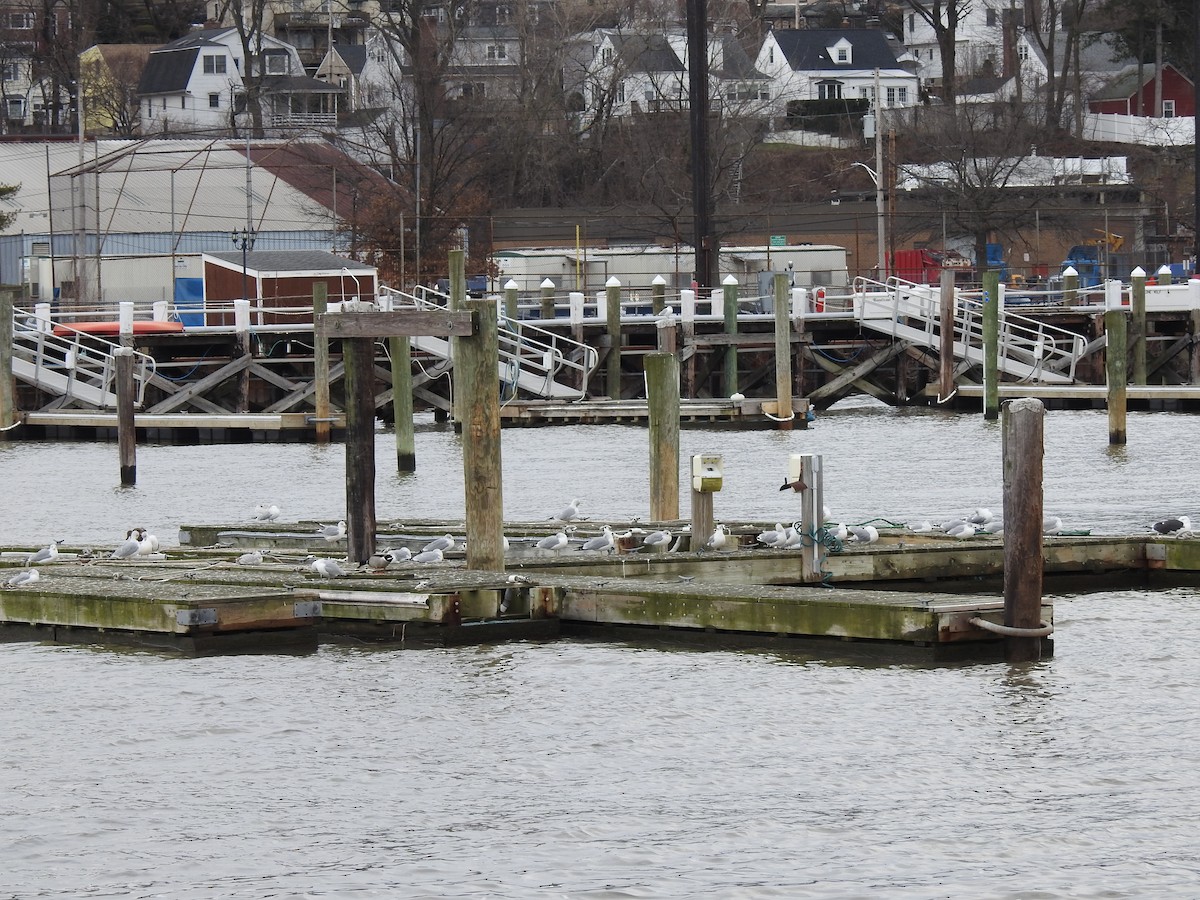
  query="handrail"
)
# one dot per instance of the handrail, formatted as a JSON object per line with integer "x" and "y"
{"x": 83, "y": 359}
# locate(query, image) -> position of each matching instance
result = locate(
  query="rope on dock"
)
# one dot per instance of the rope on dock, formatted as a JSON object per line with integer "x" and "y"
{"x": 1045, "y": 630}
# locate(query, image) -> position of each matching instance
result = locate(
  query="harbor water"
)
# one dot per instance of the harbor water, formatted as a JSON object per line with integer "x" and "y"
{"x": 594, "y": 770}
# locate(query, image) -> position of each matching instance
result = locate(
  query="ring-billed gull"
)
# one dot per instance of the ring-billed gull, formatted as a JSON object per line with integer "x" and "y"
{"x": 20, "y": 579}
{"x": 865, "y": 534}
{"x": 250, "y": 558}
{"x": 266, "y": 512}
{"x": 45, "y": 555}
{"x": 443, "y": 543}
{"x": 332, "y": 533}
{"x": 327, "y": 568}
{"x": 129, "y": 548}
{"x": 429, "y": 556}
{"x": 718, "y": 539}
{"x": 604, "y": 542}
{"x": 569, "y": 512}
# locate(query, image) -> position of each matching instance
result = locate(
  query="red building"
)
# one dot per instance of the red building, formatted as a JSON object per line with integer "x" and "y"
{"x": 1124, "y": 96}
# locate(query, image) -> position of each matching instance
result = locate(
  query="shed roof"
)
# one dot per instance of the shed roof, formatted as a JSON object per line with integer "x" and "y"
{"x": 805, "y": 49}
{"x": 168, "y": 71}
{"x": 281, "y": 262}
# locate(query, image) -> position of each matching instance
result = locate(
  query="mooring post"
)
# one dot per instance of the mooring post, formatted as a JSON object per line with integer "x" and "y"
{"x": 1023, "y": 453}
{"x": 458, "y": 296}
{"x": 547, "y": 287}
{"x": 126, "y": 427}
{"x": 1115, "y": 363}
{"x": 658, "y": 294}
{"x": 8, "y": 412}
{"x": 1070, "y": 285}
{"x": 665, "y": 327}
{"x": 729, "y": 304}
{"x": 991, "y": 344}
{"x": 662, "y": 390}
{"x": 946, "y": 337}
{"x": 1194, "y": 361}
{"x": 1164, "y": 274}
{"x": 241, "y": 329}
{"x": 510, "y": 299}
{"x": 687, "y": 318}
{"x": 612, "y": 314}
{"x": 707, "y": 476}
{"x": 320, "y": 366}
{"x": 358, "y": 354}
{"x": 783, "y": 355}
{"x": 1137, "y": 324}
{"x": 482, "y": 470}
{"x": 806, "y": 478}
{"x": 799, "y": 299}
{"x": 402, "y": 403}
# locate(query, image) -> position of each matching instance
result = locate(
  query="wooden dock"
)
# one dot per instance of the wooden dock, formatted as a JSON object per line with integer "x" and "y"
{"x": 920, "y": 593}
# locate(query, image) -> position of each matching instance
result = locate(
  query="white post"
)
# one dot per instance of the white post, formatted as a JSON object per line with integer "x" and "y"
{"x": 717, "y": 303}
{"x": 575, "y": 300}
{"x": 241, "y": 316}
{"x": 125, "y": 322}
{"x": 687, "y": 305}
{"x": 1112, "y": 294}
{"x": 160, "y": 310}
{"x": 799, "y": 305}
{"x": 601, "y": 305}
{"x": 42, "y": 312}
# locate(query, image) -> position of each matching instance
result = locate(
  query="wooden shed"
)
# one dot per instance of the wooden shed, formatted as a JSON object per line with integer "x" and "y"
{"x": 281, "y": 280}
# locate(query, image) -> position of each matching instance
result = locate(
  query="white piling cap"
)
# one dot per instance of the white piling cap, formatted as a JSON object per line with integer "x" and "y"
{"x": 613, "y": 281}
{"x": 658, "y": 279}
{"x": 511, "y": 284}
{"x": 1069, "y": 270}
{"x": 1164, "y": 269}
{"x": 547, "y": 283}
{"x": 728, "y": 280}
{"x": 1138, "y": 272}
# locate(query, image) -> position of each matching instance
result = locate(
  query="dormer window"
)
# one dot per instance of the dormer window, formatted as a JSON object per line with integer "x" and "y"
{"x": 841, "y": 53}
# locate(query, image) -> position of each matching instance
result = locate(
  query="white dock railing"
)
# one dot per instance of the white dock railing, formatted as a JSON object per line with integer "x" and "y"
{"x": 1027, "y": 349}
{"x": 80, "y": 367}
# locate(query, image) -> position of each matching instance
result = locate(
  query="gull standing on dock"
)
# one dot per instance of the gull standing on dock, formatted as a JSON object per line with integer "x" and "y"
{"x": 148, "y": 544}
{"x": 264, "y": 512}
{"x": 773, "y": 537}
{"x": 327, "y": 568}
{"x": 1051, "y": 525}
{"x": 718, "y": 539}
{"x": 1173, "y": 526}
{"x": 553, "y": 543}
{"x": 20, "y": 579}
{"x": 656, "y": 539}
{"x": 444, "y": 543}
{"x": 45, "y": 555}
{"x": 332, "y": 533}
{"x": 604, "y": 542}
{"x": 129, "y": 548}
{"x": 981, "y": 516}
{"x": 568, "y": 513}
{"x": 961, "y": 530}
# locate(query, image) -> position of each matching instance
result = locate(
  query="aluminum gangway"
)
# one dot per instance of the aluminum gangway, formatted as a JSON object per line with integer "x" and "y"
{"x": 77, "y": 369}
{"x": 532, "y": 359}
{"x": 1028, "y": 350}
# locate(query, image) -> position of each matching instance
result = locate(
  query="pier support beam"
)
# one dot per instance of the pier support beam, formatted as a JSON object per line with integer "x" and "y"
{"x": 1137, "y": 323}
{"x": 359, "y": 355}
{"x": 547, "y": 287}
{"x": 658, "y": 294}
{"x": 662, "y": 385}
{"x": 783, "y": 355}
{"x": 729, "y": 302}
{"x": 458, "y": 295}
{"x": 991, "y": 345}
{"x": 1023, "y": 453}
{"x": 946, "y": 337}
{"x": 510, "y": 300}
{"x": 402, "y": 403}
{"x": 321, "y": 365}
{"x": 1115, "y": 371}
{"x": 612, "y": 313}
{"x": 126, "y": 426}
{"x": 482, "y": 471}
{"x": 7, "y": 403}
{"x": 1194, "y": 360}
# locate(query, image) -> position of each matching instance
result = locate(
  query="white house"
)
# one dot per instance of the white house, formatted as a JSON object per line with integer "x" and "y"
{"x": 196, "y": 84}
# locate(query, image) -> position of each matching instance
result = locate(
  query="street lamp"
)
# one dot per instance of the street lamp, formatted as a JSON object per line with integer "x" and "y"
{"x": 244, "y": 240}
{"x": 879, "y": 218}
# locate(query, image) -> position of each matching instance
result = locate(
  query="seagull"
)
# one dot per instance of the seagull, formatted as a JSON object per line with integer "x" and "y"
{"x": 604, "y": 542}
{"x": 656, "y": 539}
{"x": 866, "y": 534}
{"x": 839, "y": 531}
{"x": 1173, "y": 526}
{"x": 718, "y": 539}
{"x": 571, "y": 511}
{"x": 961, "y": 530}
{"x": 981, "y": 516}
{"x": 401, "y": 554}
{"x": 45, "y": 555}
{"x": 553, "y": 543}
{"x": 951, "y": 524}
{"x": 378, "y": 561}
{"x": 773, "y": 537}
{"x": 148, "y": 544}
{"x": 20, "y": 579}
{"x": 519, "y": 579}
{"x": 332, "y": 533}
{"x": 795, "y": 538}
{"x": 429, "y": 556}
{"x": 445, "y": 542}
{"x": 327, "y": 568}
{"x": 130, "y": 547}
{"x": 1051, "y": 525}
{"x": 920, "y": 527}
{"x": 250, "y": 558}
{"x": 266, "y": 513}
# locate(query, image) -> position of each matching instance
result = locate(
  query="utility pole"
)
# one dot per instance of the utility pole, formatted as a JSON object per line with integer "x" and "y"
{"x": 703, "y": 240}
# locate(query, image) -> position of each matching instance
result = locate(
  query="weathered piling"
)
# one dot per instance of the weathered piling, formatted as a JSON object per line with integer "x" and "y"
{"x": 806, "y": 475}
{"x": 730, "y": 306}
{"x": 458, "y": 295}
{"x": 1164, "y": 274}
{"x": 482, "y": 471}
{"x": 241, "y": 328}
{"x": 1137, "y": 323}
{"x": 322, "y": 417}
{"x": 7, "y": 404}
{"x": 706, "y": 480}
{"x": 658, "y": 294}
{"x": 547, "y": 287}
{"x": 1070, "y": 283}
{"x": 662, "y": 388}
{"x": 612, "y": 313}
{"x": 1023, "y": 454}
{"x": 402, "y": 403}
{"x": 946, "y": 337}
{"x": 510, "y": 299}
{"x": 126, "y": 425}
{"x": 783, "y": 355}
{"x": 991, "y": 344}
{"x": 1194, "y": 360}
{"x": 1115, "y": 371}
{"x": 358, "y": 354}
{"x": 666, "y": 337}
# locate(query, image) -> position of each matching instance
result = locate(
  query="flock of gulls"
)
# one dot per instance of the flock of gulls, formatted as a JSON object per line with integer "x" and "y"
{"x": 140, "y": 544}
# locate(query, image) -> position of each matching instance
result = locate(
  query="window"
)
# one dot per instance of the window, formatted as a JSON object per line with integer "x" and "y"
{"x": 164, "y": 102}
{"x": 183, "y": 102}
{"x": 606, "y": 55}
{"x": 16, "y": 108}
{"x": 503, "y": 15}
{"x": 214, "y": 65}
{"x": 829, "y": 90}
{"x": 20, "y": 21}
{"x": 275, "y": 63}
{"x": 912, "y": 23}
{"x": 991, "y": 17}
{"x": 1168, "y": 111}
{"x": 472, "y": 90}
{"x": 843, "y": 55}
{"x": 620, "y": 92}
{"x": 1023, "y": 52}
{"x": 497, "y": 51}
{"x": 214, "y": 101}
{"x": 8, "y": 72}
{"x": 771, "y": 56}
{"x": 902, "y": 95}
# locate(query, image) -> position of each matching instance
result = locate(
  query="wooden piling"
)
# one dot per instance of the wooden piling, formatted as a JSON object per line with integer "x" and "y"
{"x": 662, "y": 389}
{"x": 991, "y": 344}
{"x": 7, "y": 397}
{"x": 702, "y": 518}
{"x": 241, "y": 328}
{"x": 547, "y": 287}
{"x": 358, "y": 354}
{"x": 687, "y": 318}
{"x": 783, "y": 355}
{"x": 458, "y": 296}
{"x": 812, "y": 513}
{"x": 1070, "y": 284}
{"x": 612, "y": 313}
{"x": 658, "y": 296}
{"x": 1115, "y": 367}
{"x": 666, "y": 333}
{"x": 729, "y": 303}
{"x": 1194, "y": 361}
{"x": 946, "y": 337}
{"x": 402, "y": 403}
{"x": 1023, "y": 454}
{"x": 510, "y": 299}
{"x": 1164, "y": 274}
{"x": 321, "y": 365}
{"x": 1137, "y": 323}
{"x": 482, "y": 470}
{"x": 126, "y": 426}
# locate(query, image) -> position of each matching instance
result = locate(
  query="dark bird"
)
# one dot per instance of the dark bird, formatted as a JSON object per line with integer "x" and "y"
{"x": 1173, "y": 526}
{"x": 798, "y": 485}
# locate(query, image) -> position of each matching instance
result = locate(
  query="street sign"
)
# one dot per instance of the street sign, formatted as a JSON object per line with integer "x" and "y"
{"x": 779, "y": 240}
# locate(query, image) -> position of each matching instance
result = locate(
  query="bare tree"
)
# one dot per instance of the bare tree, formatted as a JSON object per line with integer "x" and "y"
{"x": 944, "y": 16}
{"x": 110, "y": 78}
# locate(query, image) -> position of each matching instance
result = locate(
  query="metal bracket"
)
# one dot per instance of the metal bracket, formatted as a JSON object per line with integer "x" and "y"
{"x": 207, "y": 616}
{"x": 306, "y": 609}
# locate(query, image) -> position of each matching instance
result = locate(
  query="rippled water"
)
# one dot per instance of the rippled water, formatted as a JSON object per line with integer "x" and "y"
{"x": 574, "y": 769}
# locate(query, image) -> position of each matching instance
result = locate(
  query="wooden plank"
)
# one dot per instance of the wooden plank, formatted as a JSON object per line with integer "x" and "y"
{"x": 849, "y": 376}
{"x": 399, "y": 323}
{"x": 193, "y": 391}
